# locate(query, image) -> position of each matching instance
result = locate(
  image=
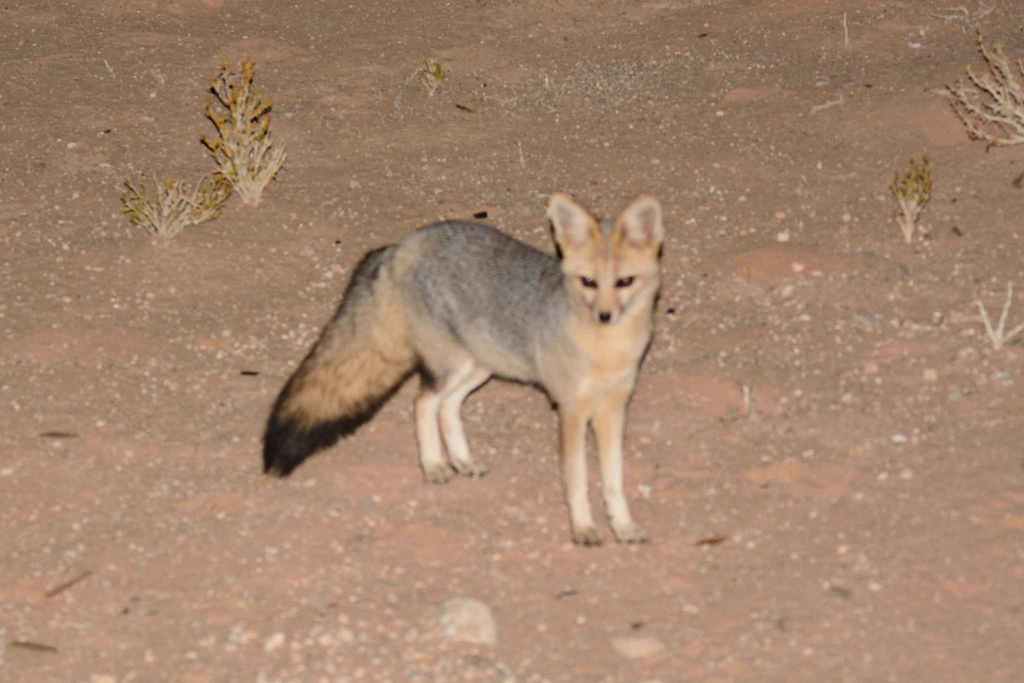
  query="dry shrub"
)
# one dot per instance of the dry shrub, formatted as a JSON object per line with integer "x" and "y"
{"x": 912, "y": 190}
{"x": 244, "y": 149}
{"x": 165, "y": 208}
{"x": 991, "y": 105}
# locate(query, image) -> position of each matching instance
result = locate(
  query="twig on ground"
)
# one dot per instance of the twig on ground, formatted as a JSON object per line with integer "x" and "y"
{"x": 963, "y": 16}
{"x": 60, "y": 588}
{"x": 827, "y": 105}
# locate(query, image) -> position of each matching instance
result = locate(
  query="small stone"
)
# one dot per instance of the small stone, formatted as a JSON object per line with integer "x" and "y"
{"x": 466, "y": 620}
{"x": 1002, "y": 377}
{"x": 898, "y": 438}
{"x": 930, "y": 375}
{"x": 273, "y": 642}
{"x": 637, "y": 647}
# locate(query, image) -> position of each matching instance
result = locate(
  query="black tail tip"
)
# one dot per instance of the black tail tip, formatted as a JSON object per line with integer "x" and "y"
{"x": 287, "y": 443}
{"x": 277, "y": 465}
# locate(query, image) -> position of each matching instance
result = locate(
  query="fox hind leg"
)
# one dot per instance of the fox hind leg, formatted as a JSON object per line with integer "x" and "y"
{"x": 437, "y": 410}
{"x": 463, "y": 383}
{"x": 428, "y": 435}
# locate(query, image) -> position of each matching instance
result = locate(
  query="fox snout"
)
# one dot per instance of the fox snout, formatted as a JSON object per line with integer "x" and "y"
{"x": 604, "y": 301}
{"x": 606, "y": 310}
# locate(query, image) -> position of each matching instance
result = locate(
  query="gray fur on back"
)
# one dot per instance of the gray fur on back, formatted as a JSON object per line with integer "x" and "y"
{"x": 497, "y": 297}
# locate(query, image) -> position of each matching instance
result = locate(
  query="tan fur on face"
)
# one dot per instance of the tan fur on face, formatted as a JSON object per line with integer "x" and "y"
{"x": 603, "y": 256}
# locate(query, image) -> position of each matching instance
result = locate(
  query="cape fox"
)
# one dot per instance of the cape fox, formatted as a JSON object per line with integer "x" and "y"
{"x": 459, "y": 302}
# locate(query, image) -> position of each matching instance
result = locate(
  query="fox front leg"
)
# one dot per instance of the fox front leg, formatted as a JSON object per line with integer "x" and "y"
{"x": 574, "y": 476}
{"x": 609, "y": 425}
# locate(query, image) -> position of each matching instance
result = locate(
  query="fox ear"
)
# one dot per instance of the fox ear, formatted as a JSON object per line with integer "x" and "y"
{"x": 640, "y": 223}
{"x": 574, "y": 226}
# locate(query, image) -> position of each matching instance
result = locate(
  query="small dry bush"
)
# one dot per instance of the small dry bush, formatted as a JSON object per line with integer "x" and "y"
{"x": 997, "y": 334}
{"x": 432, "y": 75}
{"x": 991, "y": 105}
{"x": 165, "y": 208}
{"x": 244, "y": 150}
{"x": 912, "y": 190}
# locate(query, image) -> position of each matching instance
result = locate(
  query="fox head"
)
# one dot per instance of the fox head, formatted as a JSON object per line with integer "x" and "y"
{"x": 611, "y": 269}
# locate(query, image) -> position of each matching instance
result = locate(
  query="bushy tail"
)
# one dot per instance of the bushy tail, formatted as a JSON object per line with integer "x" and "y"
{"x": 360, "y": 359}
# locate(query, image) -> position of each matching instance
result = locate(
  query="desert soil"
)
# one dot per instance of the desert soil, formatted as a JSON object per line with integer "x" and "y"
{"x": 824, "y": 445}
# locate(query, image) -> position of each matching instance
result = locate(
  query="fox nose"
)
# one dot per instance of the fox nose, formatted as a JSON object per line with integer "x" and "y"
{"x": 604, "y": 317}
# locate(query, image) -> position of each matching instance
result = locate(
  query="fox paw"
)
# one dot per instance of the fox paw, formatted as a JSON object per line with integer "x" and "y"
{"x": 586, "y": 536}
{"x": 438, "y": 473}
{"x": 629, "y": 533}
{"x": 470, "y": 468}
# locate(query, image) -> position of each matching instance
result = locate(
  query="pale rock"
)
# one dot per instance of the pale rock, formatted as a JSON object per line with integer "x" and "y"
{"x": 637, "y": 647}
{"x": 466, "y": 620}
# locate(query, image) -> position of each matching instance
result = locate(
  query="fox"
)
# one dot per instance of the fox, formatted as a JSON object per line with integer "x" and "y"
{"x": 460, "y": 302}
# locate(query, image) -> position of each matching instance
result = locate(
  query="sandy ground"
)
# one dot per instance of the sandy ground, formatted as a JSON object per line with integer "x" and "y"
{"x": 824, "y": 445}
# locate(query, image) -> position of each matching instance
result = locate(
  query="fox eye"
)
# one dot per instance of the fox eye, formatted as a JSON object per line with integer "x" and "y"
{"x": 588, "y": 282}
{"x": 624, "y": 282}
